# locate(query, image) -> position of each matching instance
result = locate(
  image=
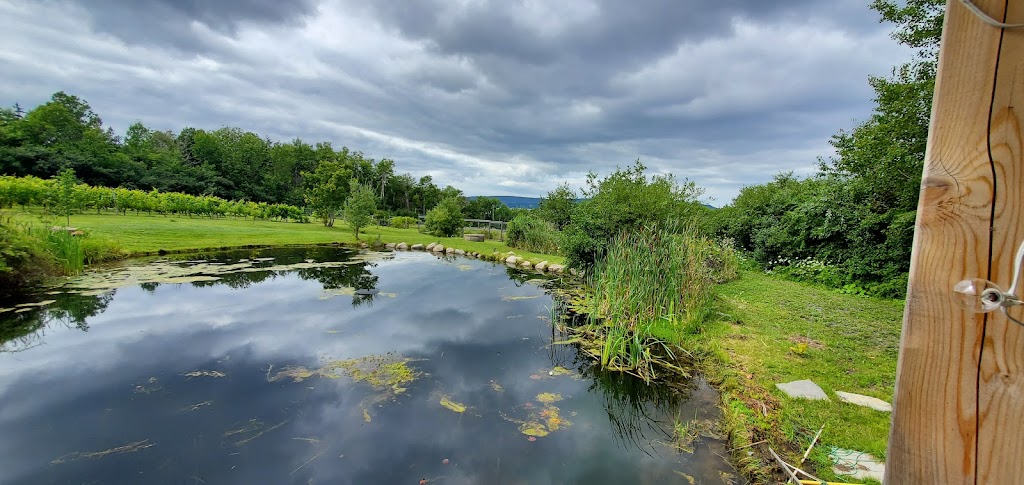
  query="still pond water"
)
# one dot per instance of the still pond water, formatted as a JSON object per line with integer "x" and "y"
{"x": 321, "y": 365}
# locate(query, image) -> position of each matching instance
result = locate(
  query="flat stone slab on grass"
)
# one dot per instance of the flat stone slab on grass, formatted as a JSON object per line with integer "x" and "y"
{"x": 804, "y": 389}
{"x": 868, "y": 401}
{"x": 856, "y": 464}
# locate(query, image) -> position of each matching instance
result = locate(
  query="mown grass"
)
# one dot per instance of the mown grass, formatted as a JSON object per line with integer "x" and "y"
{"x": 851, "y": 344}
{"x": 145, "y": 234}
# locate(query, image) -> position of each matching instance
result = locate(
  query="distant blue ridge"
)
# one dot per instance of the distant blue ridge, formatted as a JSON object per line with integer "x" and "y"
{"x": 516, "y": 202}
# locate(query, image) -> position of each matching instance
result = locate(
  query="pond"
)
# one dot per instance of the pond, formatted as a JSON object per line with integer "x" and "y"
{"x": 323, "y": 365}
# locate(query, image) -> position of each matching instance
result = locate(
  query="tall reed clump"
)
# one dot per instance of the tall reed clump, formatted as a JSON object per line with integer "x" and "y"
{"x": 65, "y": 249}
{"x": 653, "y": 286}
{"x": 69, "y": 253}
{"x": 531, "y": 233}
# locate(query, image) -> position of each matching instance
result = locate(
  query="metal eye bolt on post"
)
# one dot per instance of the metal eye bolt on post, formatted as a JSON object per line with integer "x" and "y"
{"x": 979, "y": 295}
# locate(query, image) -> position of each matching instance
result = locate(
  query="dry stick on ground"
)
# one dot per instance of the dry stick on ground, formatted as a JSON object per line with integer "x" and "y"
{"x": 815, "y": 440}
{"x": 748, "y": 446}
{"x": 785, "y": 466}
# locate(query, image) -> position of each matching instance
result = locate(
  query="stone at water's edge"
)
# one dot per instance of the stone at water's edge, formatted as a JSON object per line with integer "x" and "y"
{"x": 526, "y": 265}
{"x": 513, "y": 260}
{"x": 804, "y": 389}
{"x": 867, "y": 401}
{"x": 449, "y": 250}
{"x": 541, "y": 266}
{"x": 438, "y": 248}
{"x": 430, "y": 247}
{"x": 390, "y": 246}
{"x": 556, "y": 268}
{"x": 460, "y": 252}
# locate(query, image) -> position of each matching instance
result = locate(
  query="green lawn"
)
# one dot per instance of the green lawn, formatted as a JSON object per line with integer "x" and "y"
{"x": 852, "y": 345}
{"x": 144, "y": 234}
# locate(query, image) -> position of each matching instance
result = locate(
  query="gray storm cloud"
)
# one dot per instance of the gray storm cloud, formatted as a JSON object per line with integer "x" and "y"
{"x": 493, "y": 97}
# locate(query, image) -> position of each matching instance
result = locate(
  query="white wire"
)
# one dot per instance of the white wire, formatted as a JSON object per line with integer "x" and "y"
{"x": 1016, "y": 269}
{"x": 1017, "y": 261}
{"x": 985, "y": 18}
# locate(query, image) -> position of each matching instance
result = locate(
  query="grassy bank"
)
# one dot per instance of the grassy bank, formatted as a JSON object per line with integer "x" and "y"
{"x": 144, "y": 234}
{"x": 771, "y": 331}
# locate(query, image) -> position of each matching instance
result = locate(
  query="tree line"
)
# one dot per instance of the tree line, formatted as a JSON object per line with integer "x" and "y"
{"x": 228, "y": 163}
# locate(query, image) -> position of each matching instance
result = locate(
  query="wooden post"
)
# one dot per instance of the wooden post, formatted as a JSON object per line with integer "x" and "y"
{"x": 959, "y": 398}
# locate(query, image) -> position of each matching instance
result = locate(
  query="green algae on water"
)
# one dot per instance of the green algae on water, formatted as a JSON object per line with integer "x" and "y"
{"x": 382, "y": 372}
{"x": 166, "y": 271}
{"x": 548, "y": 397}
{"x": 447, "y": 402}
{"x": 541, "y": 421}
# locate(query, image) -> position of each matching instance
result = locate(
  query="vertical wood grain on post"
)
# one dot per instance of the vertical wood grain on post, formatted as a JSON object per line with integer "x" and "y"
{"x": 1000, "y": 381}
{"x": 934, "y": 424}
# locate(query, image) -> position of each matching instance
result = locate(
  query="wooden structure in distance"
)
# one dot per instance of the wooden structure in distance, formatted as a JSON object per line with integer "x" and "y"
{"x": 958, "y": 412}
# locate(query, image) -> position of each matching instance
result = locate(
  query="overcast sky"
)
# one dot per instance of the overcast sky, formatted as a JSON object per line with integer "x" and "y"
{"x": 495, "y": 97}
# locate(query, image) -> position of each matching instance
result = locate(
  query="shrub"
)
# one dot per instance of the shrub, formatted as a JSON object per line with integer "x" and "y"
{"x": 530, "y": 233}
{"x": 403, "y": 222}
{"x": 25, "y": 257}
{"x": 446, "y": 218}
{"x": 622, "y": 202}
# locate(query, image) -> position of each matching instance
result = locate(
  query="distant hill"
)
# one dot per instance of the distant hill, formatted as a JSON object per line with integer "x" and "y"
{"x": 514, "y": 202}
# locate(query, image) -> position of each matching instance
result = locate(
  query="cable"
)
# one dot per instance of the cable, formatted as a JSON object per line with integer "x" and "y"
{"x": 985, "y": 18}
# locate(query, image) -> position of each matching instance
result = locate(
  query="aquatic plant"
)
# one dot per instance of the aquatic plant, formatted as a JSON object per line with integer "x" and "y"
{"x": 447, "y": 402}
{"x": 654, "y": 285}
{"x": 383, "y": 372}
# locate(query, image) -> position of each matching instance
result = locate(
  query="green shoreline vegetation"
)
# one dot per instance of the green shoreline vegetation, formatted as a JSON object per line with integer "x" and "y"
{"x": 824, "y": 258}
{"x": 650, "y": 301}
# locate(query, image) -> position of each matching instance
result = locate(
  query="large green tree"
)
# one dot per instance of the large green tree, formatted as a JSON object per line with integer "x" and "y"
{"x": 556, "y": 207}
{"x": 886, "y": 152}
{"x": 327, "y": 187}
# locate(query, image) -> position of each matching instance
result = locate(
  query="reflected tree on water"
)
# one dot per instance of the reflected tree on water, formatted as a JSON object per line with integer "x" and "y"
{"x": 22, "y": 331}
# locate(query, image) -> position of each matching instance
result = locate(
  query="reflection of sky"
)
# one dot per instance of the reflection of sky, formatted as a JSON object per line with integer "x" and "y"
{"x": 77, "y": 392}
